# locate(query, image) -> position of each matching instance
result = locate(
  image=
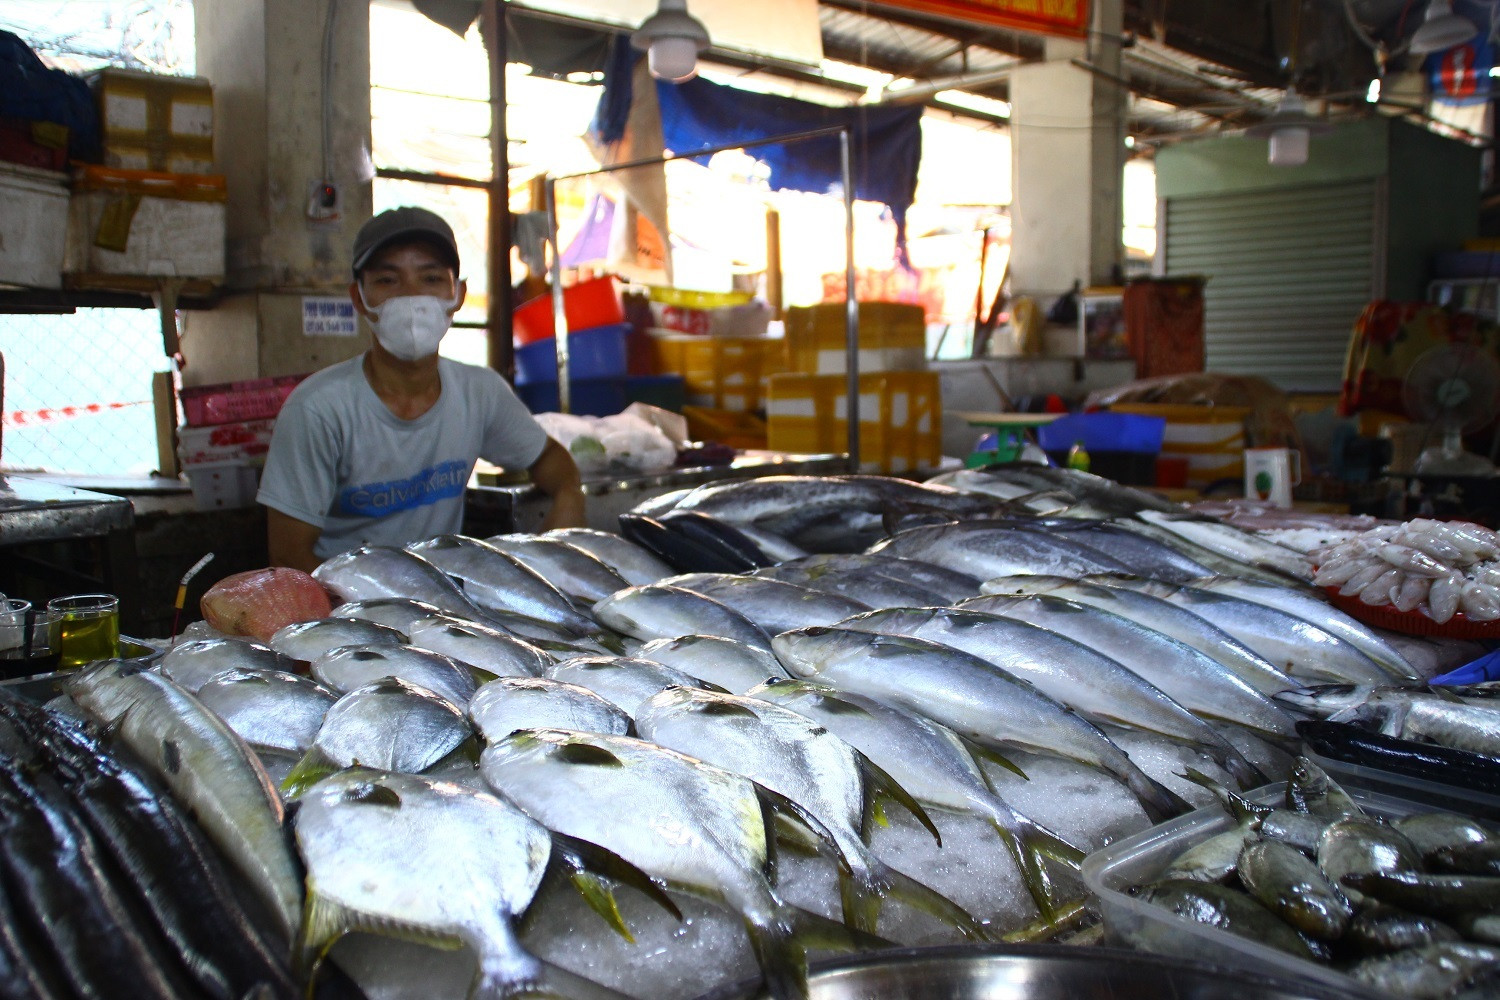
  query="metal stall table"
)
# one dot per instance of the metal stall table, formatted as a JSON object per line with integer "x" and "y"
{"x": 58, "y": 540}
{"x": 492, "y": 510}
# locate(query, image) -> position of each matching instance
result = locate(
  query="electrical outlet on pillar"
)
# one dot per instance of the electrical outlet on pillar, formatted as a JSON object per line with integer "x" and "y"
{"x": 324, "y": 201}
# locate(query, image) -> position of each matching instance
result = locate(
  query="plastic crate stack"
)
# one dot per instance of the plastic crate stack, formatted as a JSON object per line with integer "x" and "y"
{"x": 225, "y": 435}
{"x": 900, "y": 402}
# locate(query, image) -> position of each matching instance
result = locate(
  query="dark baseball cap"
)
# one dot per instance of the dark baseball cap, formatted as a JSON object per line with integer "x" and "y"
{"x": 401, "y": 224}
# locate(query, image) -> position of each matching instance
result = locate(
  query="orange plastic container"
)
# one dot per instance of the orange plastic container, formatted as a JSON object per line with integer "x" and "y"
{"x": 586, "y": 305}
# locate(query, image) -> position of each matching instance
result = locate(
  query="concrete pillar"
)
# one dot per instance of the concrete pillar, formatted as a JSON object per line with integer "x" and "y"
{"x": 1067, "y": 131}
{"x": 265, "y": 60}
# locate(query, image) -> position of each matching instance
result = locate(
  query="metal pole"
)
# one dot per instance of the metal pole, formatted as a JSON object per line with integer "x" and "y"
{"x": 559, "y": 311}
{"x": 851, "y": 301}
{"x": 498, "y": 311}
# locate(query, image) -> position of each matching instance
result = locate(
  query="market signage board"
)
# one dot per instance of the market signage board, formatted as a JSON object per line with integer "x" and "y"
{"x": 328, "y": 316}
{"x": 1049, "y": 17}
{"x": 784, "y": 30}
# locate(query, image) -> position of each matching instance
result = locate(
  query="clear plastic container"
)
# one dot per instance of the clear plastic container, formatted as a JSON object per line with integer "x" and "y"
{"x": 1418, "y": 791}
{"x": 1137, "y": 860}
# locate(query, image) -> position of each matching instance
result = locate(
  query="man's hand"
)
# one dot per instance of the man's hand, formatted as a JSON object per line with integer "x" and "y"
{"x": 556, "y": 475}
{"x": 291, "y": 541}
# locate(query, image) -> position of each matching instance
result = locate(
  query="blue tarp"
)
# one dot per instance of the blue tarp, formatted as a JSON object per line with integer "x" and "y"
{"x": 1486, "y": 668}
{"x": 886, "y": 142}
{"x": 32, "y": 92}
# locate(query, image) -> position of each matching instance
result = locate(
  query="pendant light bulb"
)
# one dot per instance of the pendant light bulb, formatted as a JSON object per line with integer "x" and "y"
{"x": 1289, "y": 129}
{"x": 672, "y": 39}
{"x": 1288, "y": 147}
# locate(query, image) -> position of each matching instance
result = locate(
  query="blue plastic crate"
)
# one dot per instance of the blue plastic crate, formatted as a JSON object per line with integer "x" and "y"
{"x": 592, "y": 354}
{"x": 1104, "y": 432}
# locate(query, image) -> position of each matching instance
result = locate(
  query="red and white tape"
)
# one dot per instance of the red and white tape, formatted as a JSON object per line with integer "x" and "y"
{"x": 29, "y": 418}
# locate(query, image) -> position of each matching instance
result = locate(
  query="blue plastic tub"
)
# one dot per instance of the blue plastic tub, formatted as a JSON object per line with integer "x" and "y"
{"x": 1104, "y": 432}
{"x": 592, "y": 397}
{"x": 595, "y": 353}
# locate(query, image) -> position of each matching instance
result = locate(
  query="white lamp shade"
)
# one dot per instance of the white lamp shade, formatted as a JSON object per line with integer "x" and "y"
{"x": 673, "y": 58}
{"x": 672, "y": 39}
{"x": 1441, "y": 29}
{"x": 1289, "y": 147}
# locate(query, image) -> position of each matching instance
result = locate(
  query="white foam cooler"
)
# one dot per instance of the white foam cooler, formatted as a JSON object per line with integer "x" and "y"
{"x": 33, "y": 225}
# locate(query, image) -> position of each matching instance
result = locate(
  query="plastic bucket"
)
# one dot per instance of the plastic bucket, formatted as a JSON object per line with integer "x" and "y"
{"x": 586, "y": 305}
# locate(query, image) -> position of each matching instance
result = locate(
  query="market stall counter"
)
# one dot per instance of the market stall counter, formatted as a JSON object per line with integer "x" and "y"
{"x": 507, "y": 507}
{"x": 57, "y": 539}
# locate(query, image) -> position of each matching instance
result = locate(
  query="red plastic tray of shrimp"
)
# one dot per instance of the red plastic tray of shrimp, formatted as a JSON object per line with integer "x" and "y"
{"x": 1421, "y": 577}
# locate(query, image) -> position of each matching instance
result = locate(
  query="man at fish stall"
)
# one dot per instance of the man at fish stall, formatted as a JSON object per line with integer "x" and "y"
{"x": 378, "y": 449}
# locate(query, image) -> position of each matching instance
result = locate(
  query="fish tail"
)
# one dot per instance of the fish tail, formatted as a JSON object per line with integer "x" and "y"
{"x": 312, "y": 768}
{"x": 1240, "y": 768}
{"x": 1029, "y": 844}
{"x": 782, "y": 960}
{"x": 885, "y": 880}
{"x": 861, "y": 903}
{"x": 1159, "y": 801}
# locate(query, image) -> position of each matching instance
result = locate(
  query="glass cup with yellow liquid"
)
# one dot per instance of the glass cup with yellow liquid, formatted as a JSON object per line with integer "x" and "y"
{"x": 90, "y": 628}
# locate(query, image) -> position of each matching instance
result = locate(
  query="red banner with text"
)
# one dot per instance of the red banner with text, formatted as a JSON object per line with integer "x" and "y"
{"x": 1050, "y": 17}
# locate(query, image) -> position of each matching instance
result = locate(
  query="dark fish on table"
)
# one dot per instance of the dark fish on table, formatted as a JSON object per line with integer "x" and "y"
{"x": 1440, "y": 896}
{"x": 1432, "y": 971}
{"x": 178, "y": 878}
{"x": 1355, "y": 848}
{"x": 1228, "y": 910}
{"x": 1291, "y": 886}
{"x": 1379, "y": 929}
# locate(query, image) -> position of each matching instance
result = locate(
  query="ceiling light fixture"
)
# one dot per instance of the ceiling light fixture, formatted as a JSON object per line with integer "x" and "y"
{"x": 1441, "y": 29}
{"x": 1289, "y": 128}
{"x": 672, "y": 39}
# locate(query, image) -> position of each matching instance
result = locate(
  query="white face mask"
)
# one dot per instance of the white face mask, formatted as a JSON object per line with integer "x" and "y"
{"x": 411, "y": 326}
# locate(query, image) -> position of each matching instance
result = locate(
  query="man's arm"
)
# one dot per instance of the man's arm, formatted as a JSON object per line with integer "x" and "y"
{"x": 556, "y": 475}
{"x": 291, "y": 541}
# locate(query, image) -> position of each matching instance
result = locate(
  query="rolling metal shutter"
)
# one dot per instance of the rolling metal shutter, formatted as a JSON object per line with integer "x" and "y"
{"x": 1288, "y": 273}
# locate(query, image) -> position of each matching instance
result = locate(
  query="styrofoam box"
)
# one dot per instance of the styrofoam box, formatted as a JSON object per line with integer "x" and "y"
{"x": 1110, "y": 872}
{"x": 33, "y": 224}
{"x": 169, "y": 237}
{"x": 223, "y": 485}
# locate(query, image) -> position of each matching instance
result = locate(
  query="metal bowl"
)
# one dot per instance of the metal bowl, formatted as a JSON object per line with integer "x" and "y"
{"x": 1035, "y": 972}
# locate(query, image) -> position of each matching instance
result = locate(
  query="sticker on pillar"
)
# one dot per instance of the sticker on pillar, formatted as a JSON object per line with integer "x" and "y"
{"x": 328, "y": 316}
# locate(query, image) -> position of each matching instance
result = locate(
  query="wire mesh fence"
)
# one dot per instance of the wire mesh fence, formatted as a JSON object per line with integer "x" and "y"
{"x": 76, "y": 396}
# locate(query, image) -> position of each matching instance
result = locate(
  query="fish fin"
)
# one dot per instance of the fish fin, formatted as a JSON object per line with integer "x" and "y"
{"x": 888, "y": 880}
{"x": 782, "y": 960}
{"x": 781, "y": 803}
{"x": 314, "y": 766}
{"x": 860, "y": 903}
{"x": 324, "y": 922}
{"x": 981, "y": 752}
{"x": 786, "y": 833}
{"x": 1241, "y": 808}
{"x": 1070, "y": 915}
{"x": 883, "y": 784}
{"x": 816, "y": 931}
{"x": 609, "y": 641}
{"x": 580, "y": 855}
{"x": 601, "y": 899}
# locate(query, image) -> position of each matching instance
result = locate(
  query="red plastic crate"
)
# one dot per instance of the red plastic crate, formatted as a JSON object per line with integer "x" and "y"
{"x": 227, "y": 402}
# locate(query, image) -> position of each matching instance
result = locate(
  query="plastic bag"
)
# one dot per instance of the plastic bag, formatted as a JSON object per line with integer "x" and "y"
{"x": 625, "y": 441}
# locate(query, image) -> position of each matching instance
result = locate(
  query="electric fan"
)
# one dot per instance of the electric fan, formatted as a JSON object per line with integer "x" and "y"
{"x": 1457, "y": 388}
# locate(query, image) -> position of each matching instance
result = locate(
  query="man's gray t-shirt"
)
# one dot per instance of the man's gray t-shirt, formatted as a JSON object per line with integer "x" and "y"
{"x": 341, "y": 460}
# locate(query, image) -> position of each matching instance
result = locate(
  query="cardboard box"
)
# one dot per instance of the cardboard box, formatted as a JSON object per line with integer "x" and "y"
{"x": 33, "y": 224}
{"x": 155, "y": 122}
{"x": 132, "y": 222}
{"x": 900, "y": 418}
{"x": 228, "y": 402}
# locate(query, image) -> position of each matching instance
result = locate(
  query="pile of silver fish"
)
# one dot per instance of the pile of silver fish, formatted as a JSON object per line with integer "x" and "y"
{"x": 1408, "y": 905}
{"x": 111, "y": 890}
{"x": 819, "y": 713}
{"x": 1440, "y": 568}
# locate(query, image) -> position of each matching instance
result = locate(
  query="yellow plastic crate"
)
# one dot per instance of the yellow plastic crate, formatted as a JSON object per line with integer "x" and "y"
{"x": 737, "y": 430}
{"x": 726, "y": 373}
{"x": 900, "y": 418}
{"x": 892, "y": 337}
